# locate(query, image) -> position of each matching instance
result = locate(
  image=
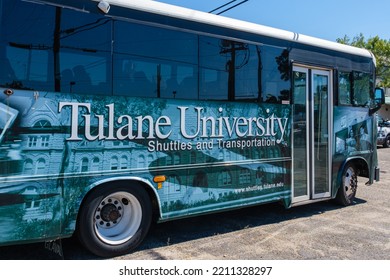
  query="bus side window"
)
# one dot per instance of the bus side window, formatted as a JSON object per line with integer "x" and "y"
{"x": 179, "y": 80}
{"x": 154, "y": 62}
{"x": 275, "y": 75}
{"x": 84, "y": 55}
{"x": 247, "y": 74}
{"x": 345, "y": 94}
{"x": 361, "y": 89}
{"x": 213, "y": 84}
{"x": 7, "y": 73}
{"x": 188, "y": 87}
{"x": 214, "y": 59}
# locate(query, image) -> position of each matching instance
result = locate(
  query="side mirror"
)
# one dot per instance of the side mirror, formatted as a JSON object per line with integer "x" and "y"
{"x": 379, "y": 96}
{"x": 378, "y": 101}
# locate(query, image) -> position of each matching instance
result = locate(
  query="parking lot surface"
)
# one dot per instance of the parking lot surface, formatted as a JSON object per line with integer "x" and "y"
{"x": 316, "y": 231}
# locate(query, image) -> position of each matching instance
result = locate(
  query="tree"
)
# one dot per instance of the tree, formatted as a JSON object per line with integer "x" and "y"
{"x": 381, "y": 50}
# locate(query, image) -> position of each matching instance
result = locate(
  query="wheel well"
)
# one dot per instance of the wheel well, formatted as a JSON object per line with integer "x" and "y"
{"x": 148, "y": 189}
{"x": 361, "y": 167}
{"x": 154, "y": 200}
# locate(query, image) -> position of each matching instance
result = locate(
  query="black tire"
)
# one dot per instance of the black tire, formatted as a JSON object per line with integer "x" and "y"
{"x": 114, "y": 219}
{"x": 348, "y": 186}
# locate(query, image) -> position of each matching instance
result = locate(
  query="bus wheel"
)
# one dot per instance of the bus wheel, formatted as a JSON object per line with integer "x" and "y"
{"x": 114, "y": 220}
{"x": 347, "y": 190}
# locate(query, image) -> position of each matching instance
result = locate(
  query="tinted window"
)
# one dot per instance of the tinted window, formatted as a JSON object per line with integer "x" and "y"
{"x": 153, "y": 42}
{"x": 248, "y": 73}
{"x": 361, "y": 89}
{"x": 54, "y": 52}
{"x": 345, "y": 97}
{"x": 229, "y": 70}
{"x": 26, "y": 46}
{"x": 85, "y": 56}
{"x": 275, "y": 77}
{"x": 355, "y": 89}
{"x": 232, "y": 70}
{"x": 154, "y": 62}
{"x": 59, "y": 49}
{"x": 214, "y": 60}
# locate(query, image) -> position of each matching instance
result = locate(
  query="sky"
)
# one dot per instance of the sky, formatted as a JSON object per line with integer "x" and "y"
{"x": 330, "y": 19}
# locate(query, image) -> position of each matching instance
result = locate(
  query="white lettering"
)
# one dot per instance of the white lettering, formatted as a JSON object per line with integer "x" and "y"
{"x": 75, "y": 117}
{"x": 109, "y": 127}
{"x": 183, "y": 122}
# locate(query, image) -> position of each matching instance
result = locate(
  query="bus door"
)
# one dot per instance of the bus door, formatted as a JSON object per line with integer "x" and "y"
{"x": 312, "y": 118}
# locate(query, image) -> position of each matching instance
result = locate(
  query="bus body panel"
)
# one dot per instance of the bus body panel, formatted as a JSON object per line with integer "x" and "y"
{"x": 214, "y": 155}
{"x": 354, "y": 140}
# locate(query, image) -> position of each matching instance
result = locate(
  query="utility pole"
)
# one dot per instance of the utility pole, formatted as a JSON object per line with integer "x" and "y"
{"x": 231, "y": 47}
{"x": 56, "y": 50}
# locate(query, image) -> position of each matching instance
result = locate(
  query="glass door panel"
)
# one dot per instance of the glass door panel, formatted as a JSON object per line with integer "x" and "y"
{"x": 300, "y": 136}
{"x": 320, "y": 93}
{"x": 311, "y": 142}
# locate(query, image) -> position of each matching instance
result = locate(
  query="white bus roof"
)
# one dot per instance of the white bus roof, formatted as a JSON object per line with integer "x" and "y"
{"x": 221, "y": 21}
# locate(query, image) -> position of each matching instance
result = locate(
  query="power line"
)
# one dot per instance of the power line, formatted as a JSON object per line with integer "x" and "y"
{"x": 229, "y": 8}
{"x": 220, "y": 7}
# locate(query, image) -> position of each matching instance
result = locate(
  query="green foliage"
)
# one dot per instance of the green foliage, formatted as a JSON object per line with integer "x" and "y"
{"x": 380, "y": 48}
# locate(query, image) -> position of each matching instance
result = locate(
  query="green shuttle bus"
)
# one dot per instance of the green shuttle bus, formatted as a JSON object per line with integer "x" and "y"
{"x": 116, "y": 114}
